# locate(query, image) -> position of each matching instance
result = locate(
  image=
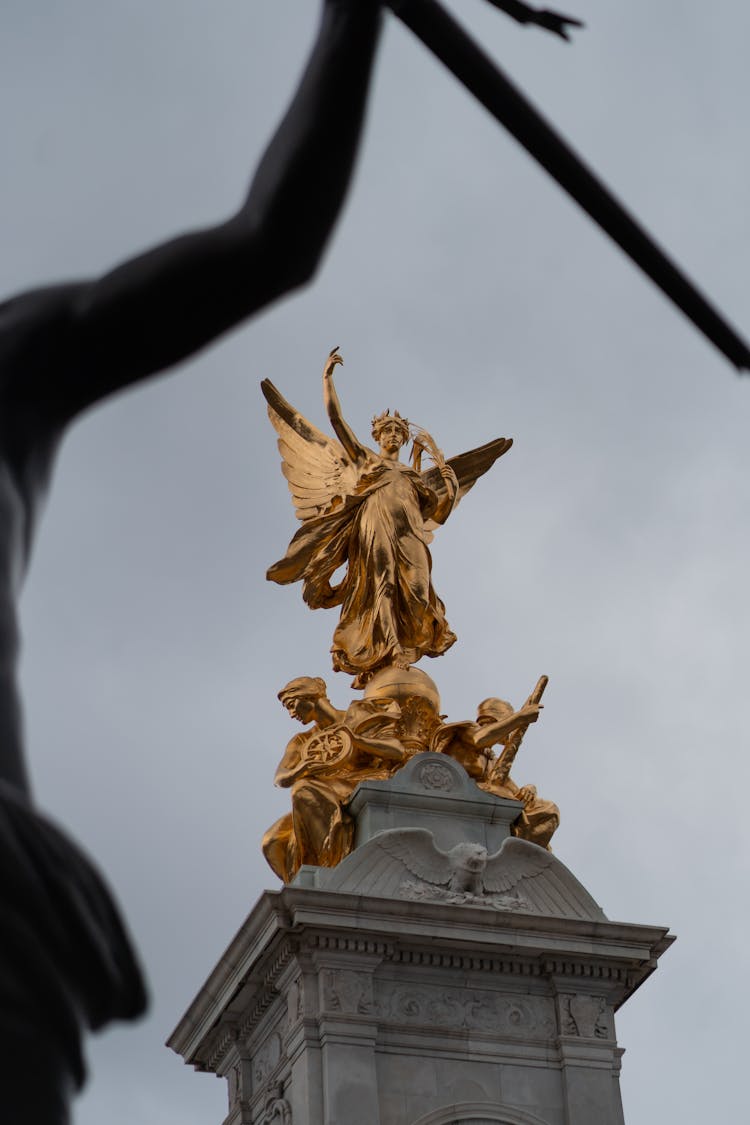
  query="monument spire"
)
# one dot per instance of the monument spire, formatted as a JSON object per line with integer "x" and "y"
{"x": 428, "y": 960}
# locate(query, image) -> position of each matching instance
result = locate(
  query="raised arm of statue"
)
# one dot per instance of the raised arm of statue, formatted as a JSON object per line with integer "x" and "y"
{"x": 499, "y": 730}
{"x": 374, "y": 727}
{"x": 351, "y": 443}
{"x": 63, "y": 348}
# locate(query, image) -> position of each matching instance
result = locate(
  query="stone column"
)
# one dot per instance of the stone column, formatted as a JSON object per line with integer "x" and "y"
{"x": 382, "y": 992}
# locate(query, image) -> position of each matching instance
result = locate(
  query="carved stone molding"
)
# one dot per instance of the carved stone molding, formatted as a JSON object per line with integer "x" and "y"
{"x": 478, "y": 1113}
{"x": 418, "y": 890}
{"x": 227, "y": 1039}
{"x": 585, "y": 1016}
{"x": 435, "y": 775}
{"x": 266, "y": 1061}
{"x": 225, "y": 1036}
{"x": 277, "y": 1111}
{"x": 337, "y": 944}
{"x": 234, "y": 1083}
{"x": 581, "y": 968}
{"x": 467, "y": 961}
{"x": 347, "y": 992}
{"x": 295, "y": 1001}
{"x": 468, "y": 1009}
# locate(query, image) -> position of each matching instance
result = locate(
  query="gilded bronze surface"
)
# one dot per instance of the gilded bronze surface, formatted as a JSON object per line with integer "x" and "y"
{"x": 367, "y": 511}
{"x": 498, "y": 724}
{"x": 399, "y": 716}
{"x": 323, "y": 766}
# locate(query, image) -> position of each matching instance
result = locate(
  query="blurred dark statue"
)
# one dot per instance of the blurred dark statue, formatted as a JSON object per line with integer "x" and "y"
{"x": 65, "y": 958}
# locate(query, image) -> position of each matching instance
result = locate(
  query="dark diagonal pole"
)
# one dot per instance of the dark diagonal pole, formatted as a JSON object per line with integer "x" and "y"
{"x": 442, "y": 35}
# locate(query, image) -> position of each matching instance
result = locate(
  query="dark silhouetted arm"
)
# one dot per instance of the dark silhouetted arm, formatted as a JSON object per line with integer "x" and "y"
{"x": 62, "y": 349}
{"x": 471, "y": 65}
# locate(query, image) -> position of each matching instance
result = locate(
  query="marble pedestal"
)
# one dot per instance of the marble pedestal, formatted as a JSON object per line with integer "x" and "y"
{"x": 375, "y": 994}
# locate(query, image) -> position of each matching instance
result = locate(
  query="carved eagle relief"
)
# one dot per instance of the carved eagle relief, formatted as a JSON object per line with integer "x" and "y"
{"x": 407, "y": 863}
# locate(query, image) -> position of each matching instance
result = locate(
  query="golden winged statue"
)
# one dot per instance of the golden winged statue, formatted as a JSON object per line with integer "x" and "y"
{"x": 368, "y": 511}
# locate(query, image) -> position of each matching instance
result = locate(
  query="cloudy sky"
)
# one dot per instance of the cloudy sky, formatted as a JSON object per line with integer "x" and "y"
{"x": 609, "y": 549}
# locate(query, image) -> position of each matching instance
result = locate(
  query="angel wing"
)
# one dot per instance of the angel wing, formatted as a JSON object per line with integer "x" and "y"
{"x": 546, "y": 883}
{"x": 318, "y": 472}
{"x": 468, "y": 467}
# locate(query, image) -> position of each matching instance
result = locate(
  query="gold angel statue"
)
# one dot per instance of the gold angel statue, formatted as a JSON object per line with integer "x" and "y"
{"x": 368, "y": 511}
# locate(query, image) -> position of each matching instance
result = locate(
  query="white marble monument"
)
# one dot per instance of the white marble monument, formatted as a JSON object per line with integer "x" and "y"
{"x": 444, "y": 973}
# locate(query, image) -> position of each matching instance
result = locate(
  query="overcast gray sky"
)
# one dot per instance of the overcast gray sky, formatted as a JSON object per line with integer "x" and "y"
{"x": 609, "y": 549}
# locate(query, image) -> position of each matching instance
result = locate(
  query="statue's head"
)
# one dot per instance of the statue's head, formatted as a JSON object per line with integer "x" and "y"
{"x": 390, "y": 431}
{"x": 300, "y": 696}
{"x": 492, "y": 710}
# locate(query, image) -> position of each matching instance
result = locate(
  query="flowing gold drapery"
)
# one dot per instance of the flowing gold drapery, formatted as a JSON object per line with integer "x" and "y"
{"x": 387, "y": 597}
{"x": 364, "y": 511}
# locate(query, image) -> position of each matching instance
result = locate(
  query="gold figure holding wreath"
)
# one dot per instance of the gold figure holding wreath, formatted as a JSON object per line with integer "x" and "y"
{"x": 367, "y": 510}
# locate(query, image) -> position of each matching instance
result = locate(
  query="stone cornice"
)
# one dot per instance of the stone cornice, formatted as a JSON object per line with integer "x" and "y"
{"x": 243, "y": 985}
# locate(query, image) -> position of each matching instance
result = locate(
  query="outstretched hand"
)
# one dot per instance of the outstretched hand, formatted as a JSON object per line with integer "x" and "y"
{"x": 550, "y": 21}
{"x": 556, "y": 23}
{"x": 334, "y": 359}
{"x": 527, "y": 794}
{"x": 530, "y": 712}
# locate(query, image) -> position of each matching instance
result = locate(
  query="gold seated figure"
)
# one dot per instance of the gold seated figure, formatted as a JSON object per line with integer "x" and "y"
{"x": 471, "y": 744}
{"x": 371, "y": 740}
{"x": 323, "y": 766}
